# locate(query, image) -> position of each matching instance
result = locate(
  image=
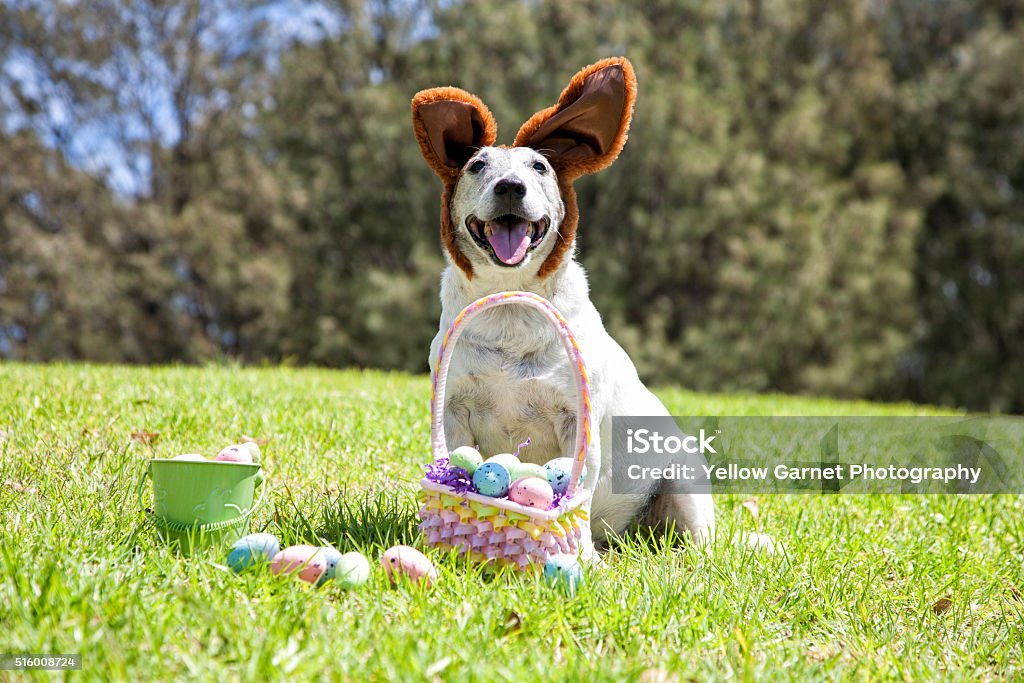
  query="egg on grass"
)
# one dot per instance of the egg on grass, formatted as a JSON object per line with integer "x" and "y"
{"x": 402, "y": 561}
{"x": 253, "y": 550}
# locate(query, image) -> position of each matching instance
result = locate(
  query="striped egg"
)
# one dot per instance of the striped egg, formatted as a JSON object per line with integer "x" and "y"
{"x": 307, "y": 561}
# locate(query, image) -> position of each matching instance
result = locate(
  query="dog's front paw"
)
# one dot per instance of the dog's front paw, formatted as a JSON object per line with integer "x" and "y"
{"x": 589, "y": 554}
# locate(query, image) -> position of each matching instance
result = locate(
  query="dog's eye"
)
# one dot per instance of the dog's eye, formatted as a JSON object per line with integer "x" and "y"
{"x": 539, "y": 167}
{"x": 476, "y": 166}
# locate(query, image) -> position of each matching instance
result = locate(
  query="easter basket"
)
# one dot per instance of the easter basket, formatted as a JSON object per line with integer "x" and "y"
{"x": 498, "y": 530}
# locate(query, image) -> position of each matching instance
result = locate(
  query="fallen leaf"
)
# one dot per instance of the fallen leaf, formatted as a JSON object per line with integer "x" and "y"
{"x": 1016, "y": 593}
{"x": 513, "y": 622}
{"x": 820, "y": 653}
{"x": 438, "y": 666}
{"x": 942, "y": 605}
{"x": 145, "y": 437}
{"x": 249, "y": 439}
{"x": 19, "y": 487}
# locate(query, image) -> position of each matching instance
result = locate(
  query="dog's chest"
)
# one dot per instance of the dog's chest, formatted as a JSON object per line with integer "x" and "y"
{"x": 512, "y": 389}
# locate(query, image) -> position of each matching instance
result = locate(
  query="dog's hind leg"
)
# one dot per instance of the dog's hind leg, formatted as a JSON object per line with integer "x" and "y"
{"x": 693, "y": 512}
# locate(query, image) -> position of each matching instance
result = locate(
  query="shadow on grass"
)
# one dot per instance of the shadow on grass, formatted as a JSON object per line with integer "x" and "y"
{"x": 658, "y": 539}
{"x": 366, "y": 521}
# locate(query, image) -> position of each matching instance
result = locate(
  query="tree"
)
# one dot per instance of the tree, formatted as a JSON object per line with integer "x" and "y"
{"x": 962, "y": 143}
{"x": 156, "y": 100}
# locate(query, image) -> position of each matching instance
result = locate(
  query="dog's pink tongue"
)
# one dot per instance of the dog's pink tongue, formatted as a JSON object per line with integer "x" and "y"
{"x": 510, "y": 241}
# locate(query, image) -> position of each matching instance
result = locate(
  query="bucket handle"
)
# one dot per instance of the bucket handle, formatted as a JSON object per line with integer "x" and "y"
{"x": 171, "y": 525}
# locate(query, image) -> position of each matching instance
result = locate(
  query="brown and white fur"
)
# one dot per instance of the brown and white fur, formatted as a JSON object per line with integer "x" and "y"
{"x": 508, "y": 222}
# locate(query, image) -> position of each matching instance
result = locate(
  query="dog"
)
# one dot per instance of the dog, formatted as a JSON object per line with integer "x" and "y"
{"x": 508, "y": 222}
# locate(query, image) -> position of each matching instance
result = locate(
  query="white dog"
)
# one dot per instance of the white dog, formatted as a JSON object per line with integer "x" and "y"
{"x": 508, "y": 222}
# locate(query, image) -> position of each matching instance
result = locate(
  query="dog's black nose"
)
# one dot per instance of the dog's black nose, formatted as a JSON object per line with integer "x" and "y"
{"x": 513, "y": 185}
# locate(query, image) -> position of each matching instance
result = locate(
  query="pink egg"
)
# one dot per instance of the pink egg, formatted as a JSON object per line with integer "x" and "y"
{"x": 237, "y": 453}
{"x": 531, "y": 492}
{"x": 401, "y": 560}
{"x": 307, "y": 560}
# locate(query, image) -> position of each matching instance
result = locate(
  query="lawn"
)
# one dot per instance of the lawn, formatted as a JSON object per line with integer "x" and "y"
{"x": 862, "y": 588}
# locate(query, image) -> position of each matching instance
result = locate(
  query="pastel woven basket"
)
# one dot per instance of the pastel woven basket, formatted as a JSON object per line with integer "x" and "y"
{"x": 496, "y": 529}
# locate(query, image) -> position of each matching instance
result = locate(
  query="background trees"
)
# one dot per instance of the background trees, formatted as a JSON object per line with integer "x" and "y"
{"x": 815, "y": 198}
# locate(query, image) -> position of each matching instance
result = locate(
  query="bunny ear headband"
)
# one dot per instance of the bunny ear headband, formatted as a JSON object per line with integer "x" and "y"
{"x": 583, "y": 133}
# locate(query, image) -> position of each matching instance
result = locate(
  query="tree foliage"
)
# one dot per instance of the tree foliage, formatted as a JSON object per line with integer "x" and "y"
{"x": 817, "y": 198}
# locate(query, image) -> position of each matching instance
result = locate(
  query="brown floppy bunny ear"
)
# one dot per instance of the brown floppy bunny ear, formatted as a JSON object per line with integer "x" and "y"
{"x": 583, "y": 133}
{"x": 450, "y": 125}
{"x": 586, "y": 130}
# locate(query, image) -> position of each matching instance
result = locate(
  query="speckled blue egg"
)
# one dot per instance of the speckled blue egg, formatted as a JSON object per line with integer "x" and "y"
{"x": 492, "y": 479}
{"x": 563, "y": 572}
{"x": 251, "y": 550}
{"x": 466, "y": 457}
{"x": 331, "y": 557}
{"x": 559, "y": 472}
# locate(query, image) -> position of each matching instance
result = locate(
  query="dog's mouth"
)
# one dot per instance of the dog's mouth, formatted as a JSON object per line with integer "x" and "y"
{"x": 508, "y": 238}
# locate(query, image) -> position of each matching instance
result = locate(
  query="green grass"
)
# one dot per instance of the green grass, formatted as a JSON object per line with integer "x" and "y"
{"x": 849, "y": 597}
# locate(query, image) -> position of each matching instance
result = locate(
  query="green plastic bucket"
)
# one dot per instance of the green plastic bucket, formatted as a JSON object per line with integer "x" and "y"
{"x": 197, "y": 505}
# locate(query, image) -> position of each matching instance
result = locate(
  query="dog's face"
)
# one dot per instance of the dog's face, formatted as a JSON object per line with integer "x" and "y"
{"x": 506, "y": 209}
{"x": 514, "y": 208}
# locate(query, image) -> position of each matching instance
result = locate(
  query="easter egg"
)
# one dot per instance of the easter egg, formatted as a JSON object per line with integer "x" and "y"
{"x": 466, "y": 457}
{"x": 237, "y": 453}
{"x": 254, "y": 450}
{"x": 506, "y": 460}
{"x": 331, "y": 557}
{"x": 353, "y": 569}
{"x": 401, "y": 560}
{"x": 190, "y": 457}
{"x": 306, "y": 560}
{"x": 559, "y": 473}
{"x": 492, "y": 479}
{"x": 532, "y": 492}
{"x": 563, "y": 572}
{"x": 527, "y": 469}
{"x": 252, "y": 550}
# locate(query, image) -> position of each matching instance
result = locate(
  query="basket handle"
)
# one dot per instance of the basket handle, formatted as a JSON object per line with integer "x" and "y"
{"x": 572, "y": 350}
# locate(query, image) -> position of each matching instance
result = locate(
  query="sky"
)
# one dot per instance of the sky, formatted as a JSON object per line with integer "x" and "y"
{"x": 97, "y": 145}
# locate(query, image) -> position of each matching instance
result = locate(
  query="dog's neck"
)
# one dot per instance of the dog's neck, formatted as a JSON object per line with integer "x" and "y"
{"x": 565, "y": 287}
{"x": 459, "y": 289}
